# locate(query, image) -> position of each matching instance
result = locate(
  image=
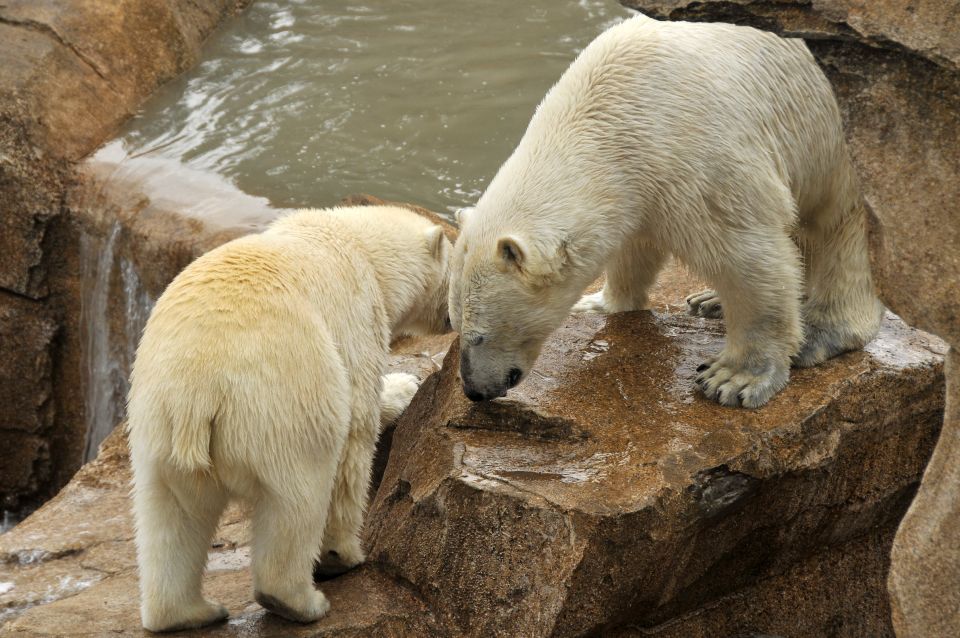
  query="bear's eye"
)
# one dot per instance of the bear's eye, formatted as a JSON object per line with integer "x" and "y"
{"x": 475, "y": 339}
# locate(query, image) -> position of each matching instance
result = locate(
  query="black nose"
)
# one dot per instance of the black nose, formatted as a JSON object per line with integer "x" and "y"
{"x": 513, "y": 377}
{"x": 473, "y": 395}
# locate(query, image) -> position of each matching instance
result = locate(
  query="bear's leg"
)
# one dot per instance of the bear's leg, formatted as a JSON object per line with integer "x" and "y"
{"x": 288, "y": 522}
{"x": 761, "y": 289}
{"x": 841, "y": 311}
{"x": 630, "y": 274}
{"x": 342, "y": 549}
{"x": 706, "y": 304}
{"x": 176, "y": 517}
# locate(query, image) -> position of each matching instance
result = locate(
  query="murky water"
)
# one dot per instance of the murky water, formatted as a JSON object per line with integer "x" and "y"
{"x": 304, "y": 102}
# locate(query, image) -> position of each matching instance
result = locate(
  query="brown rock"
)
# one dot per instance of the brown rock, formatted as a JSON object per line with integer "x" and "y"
{"x": 802, "y": 601}
{"x": 605, "y": 492}
{"x": 25, "y": 396}
{"x": 925, "y": 576}
{"x": 25, "y": 377}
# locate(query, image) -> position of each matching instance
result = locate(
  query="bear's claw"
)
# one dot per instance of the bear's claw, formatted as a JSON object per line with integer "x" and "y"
{"x": 735, "y": 386}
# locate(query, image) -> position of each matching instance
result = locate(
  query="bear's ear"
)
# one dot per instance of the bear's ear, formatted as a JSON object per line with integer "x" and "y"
{"x": 462, "y": 215}
{"x": 435, "y": 242}
{"x": 511, "y": 252}
{"x": 543, "y": 263}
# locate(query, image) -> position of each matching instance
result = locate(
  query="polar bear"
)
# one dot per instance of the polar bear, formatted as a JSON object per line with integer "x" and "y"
{"x": 717, "y": 144}
{"x": 258, "y": 377}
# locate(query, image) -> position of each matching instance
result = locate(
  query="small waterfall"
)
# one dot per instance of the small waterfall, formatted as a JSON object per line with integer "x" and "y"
{"x": 114, "y": 311}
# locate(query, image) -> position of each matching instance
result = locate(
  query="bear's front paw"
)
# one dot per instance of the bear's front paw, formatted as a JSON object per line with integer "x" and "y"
{"x": 398, "y": 390}
{"x": 590, "y": 304}
{"x": 737, "y": 385}
{"x": 705, "y": 304}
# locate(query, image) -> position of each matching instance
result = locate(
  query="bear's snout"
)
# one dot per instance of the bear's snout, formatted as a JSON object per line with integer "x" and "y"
{"x": 475, "y": 390}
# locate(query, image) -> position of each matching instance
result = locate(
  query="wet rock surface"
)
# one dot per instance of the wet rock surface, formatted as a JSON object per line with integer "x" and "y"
{"x": 602, "y": 495}
{"x": 615, "y": 495}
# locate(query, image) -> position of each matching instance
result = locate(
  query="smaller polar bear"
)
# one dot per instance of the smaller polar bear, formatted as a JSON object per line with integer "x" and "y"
{"x": 258, "y": 377}
{"x": 719, "y": 145}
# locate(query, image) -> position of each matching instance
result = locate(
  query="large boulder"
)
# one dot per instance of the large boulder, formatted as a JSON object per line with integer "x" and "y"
{"x": 895, "y": 67}
{"x": 605, "y": 492}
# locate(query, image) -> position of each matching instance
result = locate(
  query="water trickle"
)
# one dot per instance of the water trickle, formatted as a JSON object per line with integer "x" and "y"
{"x": 109, "y": 346}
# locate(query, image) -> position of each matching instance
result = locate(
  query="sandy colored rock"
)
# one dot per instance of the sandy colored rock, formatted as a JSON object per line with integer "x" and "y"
{"x": 80, "y": 68}
{"x": 925, "y": 578}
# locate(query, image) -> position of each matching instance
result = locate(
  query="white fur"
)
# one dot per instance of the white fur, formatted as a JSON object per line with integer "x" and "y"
{"x": 258, "y": 377}
{"x": 718, "y": 144}
{"x": 398, "y": 390}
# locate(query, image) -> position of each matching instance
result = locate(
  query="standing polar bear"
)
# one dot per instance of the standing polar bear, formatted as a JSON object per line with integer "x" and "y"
{"x": 720, "y": 145}
{"x": 259, "y": 377}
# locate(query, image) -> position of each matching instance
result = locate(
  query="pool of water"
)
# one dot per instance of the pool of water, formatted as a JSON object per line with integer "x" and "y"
{"x": 303, "y": 102}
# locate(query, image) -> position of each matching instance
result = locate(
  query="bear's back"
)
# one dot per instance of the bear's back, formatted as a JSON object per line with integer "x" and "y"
{"x": 679, "y": 100}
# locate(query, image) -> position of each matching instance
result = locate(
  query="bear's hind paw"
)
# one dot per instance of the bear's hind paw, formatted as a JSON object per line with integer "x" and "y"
{"x": 314, "y": 608}
{"x": 200, "y": 615}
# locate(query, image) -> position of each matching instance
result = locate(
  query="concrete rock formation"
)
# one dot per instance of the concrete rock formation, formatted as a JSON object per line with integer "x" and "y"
{"x": 895, "y": 67}
{"x": 603, "y": 495}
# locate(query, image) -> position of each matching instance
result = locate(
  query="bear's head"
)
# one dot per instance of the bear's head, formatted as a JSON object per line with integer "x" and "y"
{"x": 428, "y": 268}
{"x": 505, "y": 300}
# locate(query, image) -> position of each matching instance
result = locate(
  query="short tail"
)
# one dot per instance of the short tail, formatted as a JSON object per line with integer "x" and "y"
{"x": 176, "y": 430}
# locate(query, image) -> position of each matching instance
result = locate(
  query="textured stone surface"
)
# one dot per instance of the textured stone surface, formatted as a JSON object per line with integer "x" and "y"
{"x": 895, "y": 67}
{"x": 925, "y": 576}
{"x": 70, "y": 73}
{"x": 839, "y": 592}
{"x": 25, "y": 396}
{"x": 602, "y": 495}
